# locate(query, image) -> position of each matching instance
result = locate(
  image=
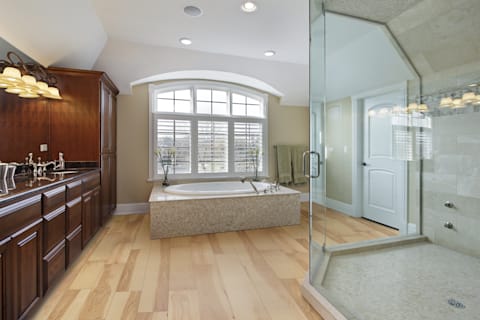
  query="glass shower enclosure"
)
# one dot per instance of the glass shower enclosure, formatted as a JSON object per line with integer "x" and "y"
{"x": 394, "y": 174}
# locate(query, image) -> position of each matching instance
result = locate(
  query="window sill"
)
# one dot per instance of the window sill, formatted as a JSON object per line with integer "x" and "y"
{"x": 191, "y": 178}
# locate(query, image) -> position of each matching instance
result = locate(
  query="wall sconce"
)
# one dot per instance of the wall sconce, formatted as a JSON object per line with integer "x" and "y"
{"x": 28, "y": 80}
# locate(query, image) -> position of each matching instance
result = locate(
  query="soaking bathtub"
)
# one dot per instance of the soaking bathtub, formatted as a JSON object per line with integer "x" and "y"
{"x": 211, "y": 207}
{"x": 216, "y": 188}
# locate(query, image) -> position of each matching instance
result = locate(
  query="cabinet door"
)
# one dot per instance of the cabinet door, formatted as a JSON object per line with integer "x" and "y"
{"x": 107, "y": 121}
{"x": 6, "y": 293}
{"x": 108, "y": 192}
{"x": 87, "y": 214}
{"x": 27, "y": 266}
{"x": 96, "y": 210}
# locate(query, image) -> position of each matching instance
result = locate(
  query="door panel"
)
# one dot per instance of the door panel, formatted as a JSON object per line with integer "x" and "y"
{"x": 384, "y": 178}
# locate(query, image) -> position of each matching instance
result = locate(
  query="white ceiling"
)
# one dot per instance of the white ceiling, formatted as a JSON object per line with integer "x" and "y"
{"x": 132, "y": 40}
{"x": 223, "y": 28}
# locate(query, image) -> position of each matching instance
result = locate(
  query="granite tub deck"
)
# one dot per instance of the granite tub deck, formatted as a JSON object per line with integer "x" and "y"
{"x": 173, "y": 215}
{"x": 395, "y": 279}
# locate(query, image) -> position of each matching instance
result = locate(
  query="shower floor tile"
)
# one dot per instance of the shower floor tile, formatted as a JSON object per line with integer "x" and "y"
{"x": 418, "y": 281}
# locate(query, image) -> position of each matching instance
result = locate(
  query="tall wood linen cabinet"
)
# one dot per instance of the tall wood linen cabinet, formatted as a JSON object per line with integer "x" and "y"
{"x": 84, "y": 126}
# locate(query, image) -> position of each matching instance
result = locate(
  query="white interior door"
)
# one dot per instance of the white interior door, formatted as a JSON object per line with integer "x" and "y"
{"x": 384, "y": 178}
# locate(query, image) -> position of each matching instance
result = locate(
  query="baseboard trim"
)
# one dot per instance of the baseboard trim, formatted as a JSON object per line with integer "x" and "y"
{"x": 340, "y": 206}
{"x": 132, "y": 208}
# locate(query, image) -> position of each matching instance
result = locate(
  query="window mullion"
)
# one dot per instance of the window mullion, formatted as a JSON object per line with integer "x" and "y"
{"x": 231, "y": 147}
{"x": 194, "y": 151}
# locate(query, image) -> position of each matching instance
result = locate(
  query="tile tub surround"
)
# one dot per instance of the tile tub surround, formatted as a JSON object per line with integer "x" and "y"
{"x": 174, "y": 215}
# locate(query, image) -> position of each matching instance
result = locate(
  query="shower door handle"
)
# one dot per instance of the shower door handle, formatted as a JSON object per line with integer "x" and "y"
{"x": 317, "y": 155}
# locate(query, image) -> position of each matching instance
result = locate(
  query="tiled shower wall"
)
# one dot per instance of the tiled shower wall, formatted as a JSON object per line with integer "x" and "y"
{"x": 453, "y": 174}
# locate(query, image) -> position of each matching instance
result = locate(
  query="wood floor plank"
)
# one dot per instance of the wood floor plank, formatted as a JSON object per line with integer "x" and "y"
{"x": 240, "y": 289}
{"x": 183, "y": 305}
{"x": 245, "y": 275}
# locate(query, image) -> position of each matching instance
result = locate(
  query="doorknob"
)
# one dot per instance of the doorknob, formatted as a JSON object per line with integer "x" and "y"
{"x": 364, "y": 164}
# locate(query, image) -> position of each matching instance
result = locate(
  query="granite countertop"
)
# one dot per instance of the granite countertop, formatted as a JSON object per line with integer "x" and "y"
{"x": 28, "y": 185}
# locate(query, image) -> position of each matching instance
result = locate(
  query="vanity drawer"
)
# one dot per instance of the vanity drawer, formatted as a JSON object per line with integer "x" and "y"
{"x": 53, "y": 229}
{"x": 74, "y": 214}
{"x": 90, "y": 182}
{"x": 53, "y": 265}
{"x": 74, "y": 245}
{"x": 20, "y": 214}
{"x": 74, "y": 190}
{"x": 53, "y": 199}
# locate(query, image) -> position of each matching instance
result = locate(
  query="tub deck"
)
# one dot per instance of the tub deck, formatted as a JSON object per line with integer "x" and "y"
{"x": 173, "y": 215}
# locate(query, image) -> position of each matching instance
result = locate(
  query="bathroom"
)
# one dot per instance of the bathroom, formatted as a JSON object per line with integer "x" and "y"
{"x": 417, "y": 53}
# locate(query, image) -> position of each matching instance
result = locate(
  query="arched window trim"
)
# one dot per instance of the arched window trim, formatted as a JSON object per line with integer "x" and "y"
{"x": 156, "y": 175}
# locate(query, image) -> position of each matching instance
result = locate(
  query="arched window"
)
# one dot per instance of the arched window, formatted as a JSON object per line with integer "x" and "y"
{"x": 207, "y": 129}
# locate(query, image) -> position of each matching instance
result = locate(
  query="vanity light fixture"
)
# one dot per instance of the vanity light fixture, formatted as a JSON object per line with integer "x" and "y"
{"x": 446, "y": 102}
{"x": 185, "y": 41}
{"x": 468, "y": 97}
{"x": 249, "y": 6}
{"x": 422, "y": 107}
{"x": 28, "y": 80}
{"x": 458, "y": 103}
{"x": 269, "y": 53}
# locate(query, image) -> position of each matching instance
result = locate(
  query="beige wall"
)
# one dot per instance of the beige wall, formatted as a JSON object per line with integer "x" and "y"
{"x": 287, "y": 125}
{"x": 338, "y": 141}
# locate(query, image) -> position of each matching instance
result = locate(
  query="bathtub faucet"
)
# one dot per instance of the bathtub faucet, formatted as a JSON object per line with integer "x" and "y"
{"x": 251, "y": 183}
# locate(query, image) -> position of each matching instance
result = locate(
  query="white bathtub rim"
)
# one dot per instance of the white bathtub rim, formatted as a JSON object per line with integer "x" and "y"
{"x": 224, "y": 188}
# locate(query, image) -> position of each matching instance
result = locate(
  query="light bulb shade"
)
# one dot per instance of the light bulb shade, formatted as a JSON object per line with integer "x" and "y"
{"x": 28, "y": 94}
{"x": 29, "y": 82}
{"x": 458, "y": 103}
{"x": 477, "y": 99}
{"x": 412, "y": 107}
{"x": 446, "y": 102}
{"x": 468, "y": 97}
{"x": 422, "y": 107}
{"x": 53, "y": 93}
{"x": 42, "y": 88}
{"x": 15, "y": 89}
{"x": 11, "y": 75}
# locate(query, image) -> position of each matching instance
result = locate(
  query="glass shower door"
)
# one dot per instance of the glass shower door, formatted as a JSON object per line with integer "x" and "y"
{"x": 317, "y": 212}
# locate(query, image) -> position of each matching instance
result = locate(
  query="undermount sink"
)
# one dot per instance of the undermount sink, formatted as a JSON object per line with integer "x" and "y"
{"x": 65, "y": 172}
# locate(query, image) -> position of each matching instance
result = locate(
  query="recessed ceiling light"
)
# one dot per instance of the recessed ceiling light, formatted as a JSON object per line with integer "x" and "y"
{"x": 185, "y": 41}
{"x": 269, "y": 53}
{"x": 249, "y": 6}
{"x": 192, "y": 11}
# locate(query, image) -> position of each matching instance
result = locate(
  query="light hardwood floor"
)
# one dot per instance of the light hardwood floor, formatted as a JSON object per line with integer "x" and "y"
{"x": 244, "y": 275}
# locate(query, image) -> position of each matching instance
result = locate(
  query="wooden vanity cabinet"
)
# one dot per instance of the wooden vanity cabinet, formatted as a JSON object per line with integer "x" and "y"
{"x": 91, "y": 207}
{"x": 73, "y": 237}
{"x": 5, "y": 280}
{"x": 53, "y": 253}
{"x": 84, "y": 128}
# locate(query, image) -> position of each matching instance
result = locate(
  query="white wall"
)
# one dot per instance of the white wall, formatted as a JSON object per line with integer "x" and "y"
{"x": 127, "y": 62}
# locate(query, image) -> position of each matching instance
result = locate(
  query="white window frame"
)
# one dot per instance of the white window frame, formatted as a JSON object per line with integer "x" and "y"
{"x": 194, "y": 117}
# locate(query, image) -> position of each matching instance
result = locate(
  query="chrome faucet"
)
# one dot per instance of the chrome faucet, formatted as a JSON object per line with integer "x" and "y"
{"x": 251, "y": 183}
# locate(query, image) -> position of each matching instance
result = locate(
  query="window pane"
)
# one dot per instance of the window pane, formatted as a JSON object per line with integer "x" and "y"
{"x": 254, "y": 110}
{"x": 252, "y": 101}
{"x": 219, "y": 96}
{"x": 183, "y": 95}
{"x": 248, "y": 146}
{"x": 212, "y": 146}
{"x": 204, "y": 107}
{"x": 164, "y": 105}
{"x": 219, "y": 108}
{"x": 165, "y": 95}
{"x": 173, "y": 146}
{"x": 238, "y": 109}
{"x": 183, "y": 106}
{"x": 204, "y": 95}
{"x": 237, "y": 98}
